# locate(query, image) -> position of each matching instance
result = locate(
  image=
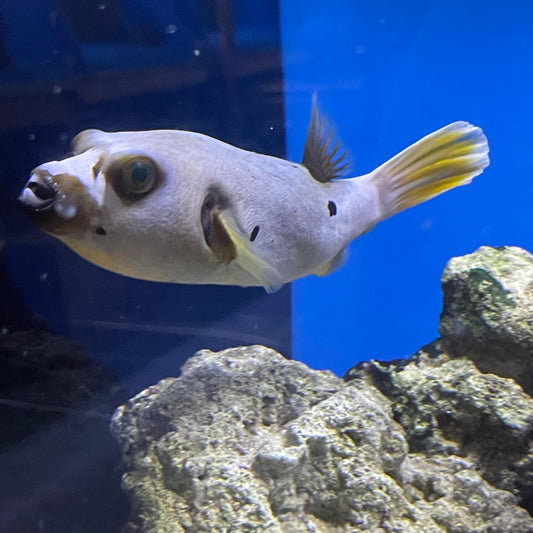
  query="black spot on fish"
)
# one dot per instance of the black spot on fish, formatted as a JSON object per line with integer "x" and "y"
{"x": 254, "y": 233}
{"x": 100, "y": 231}
{"x": 332, "y": 209}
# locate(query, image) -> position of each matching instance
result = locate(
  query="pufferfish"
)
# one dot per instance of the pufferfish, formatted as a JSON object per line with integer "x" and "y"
{"x": 181, "y": 207}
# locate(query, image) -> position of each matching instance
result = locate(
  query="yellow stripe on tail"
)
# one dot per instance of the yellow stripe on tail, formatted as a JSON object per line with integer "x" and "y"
{"x": 449, "y": 157}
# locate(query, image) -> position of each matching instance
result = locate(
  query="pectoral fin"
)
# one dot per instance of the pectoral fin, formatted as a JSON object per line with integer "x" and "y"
{"x": 220, "y": 240}
{"x": 228, "y": 244}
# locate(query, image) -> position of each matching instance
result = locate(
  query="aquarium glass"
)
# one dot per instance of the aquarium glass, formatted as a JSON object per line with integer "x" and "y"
{"x": 77, "y": 341}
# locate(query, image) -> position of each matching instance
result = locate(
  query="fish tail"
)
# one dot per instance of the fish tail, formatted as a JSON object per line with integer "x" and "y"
{"x": 442, "y": 160}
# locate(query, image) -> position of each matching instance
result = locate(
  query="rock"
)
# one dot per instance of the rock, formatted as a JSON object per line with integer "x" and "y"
{"x": 447, "y": 407}
{"x": 488, "y": 311}
{"x": 198, "y": 447}
{"x": 451, "y": 496}
{"x": 245, "y": 440}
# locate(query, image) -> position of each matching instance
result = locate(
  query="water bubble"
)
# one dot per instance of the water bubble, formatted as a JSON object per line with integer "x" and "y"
{"x": 101, "y": 6}
{"x": 171, "y": 29}
{"x": 43, "y": 276}
{"x": 31, "y": 137}
{"x": 196, "y": 52}
{"x": 57, "y": 89}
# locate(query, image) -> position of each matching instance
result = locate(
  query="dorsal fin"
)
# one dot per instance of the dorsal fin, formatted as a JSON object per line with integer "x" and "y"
{"x": 324, "y": 154}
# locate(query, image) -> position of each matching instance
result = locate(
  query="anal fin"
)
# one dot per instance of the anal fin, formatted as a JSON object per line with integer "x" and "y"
{"x": 334, "y": 264}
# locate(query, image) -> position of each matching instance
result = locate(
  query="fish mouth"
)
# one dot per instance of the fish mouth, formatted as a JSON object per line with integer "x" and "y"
{"x": 40, "y": 193}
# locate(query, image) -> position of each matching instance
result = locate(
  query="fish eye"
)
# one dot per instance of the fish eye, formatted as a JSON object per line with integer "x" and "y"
{"x": 138, "y": 177}
{"x": 134, "y": 177}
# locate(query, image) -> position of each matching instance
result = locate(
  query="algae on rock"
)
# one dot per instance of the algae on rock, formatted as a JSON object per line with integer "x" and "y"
{"x": 487, "y": 312}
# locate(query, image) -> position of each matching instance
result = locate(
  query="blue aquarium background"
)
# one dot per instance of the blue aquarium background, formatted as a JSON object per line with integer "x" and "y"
{"x": 386, "y": 73}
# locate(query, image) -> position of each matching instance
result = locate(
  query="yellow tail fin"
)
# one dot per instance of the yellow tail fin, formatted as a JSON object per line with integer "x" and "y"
{"x": 442, "y": 160}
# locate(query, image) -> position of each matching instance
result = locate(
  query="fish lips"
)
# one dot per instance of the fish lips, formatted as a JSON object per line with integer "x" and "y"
{"x": 58, "y": 204}
{"x": 39, "y": 194}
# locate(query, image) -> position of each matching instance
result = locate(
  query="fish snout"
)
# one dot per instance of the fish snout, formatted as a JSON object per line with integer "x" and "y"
{"x": 40, "y": 192}
{"x": 57, "y": 201}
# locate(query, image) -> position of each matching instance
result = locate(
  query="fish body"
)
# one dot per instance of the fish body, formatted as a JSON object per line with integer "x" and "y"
{"x": 181, "y": 207}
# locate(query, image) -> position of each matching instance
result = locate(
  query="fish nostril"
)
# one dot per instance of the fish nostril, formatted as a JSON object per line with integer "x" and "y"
{"x": 43, "y": 192}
